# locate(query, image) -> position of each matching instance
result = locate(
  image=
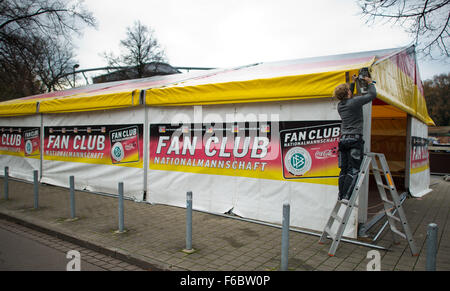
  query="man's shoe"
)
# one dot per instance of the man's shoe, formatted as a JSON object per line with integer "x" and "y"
{"x": 345, "y": 199}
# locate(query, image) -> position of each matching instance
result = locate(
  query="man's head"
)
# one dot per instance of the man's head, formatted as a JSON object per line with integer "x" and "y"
{"x": 342, "y": 92}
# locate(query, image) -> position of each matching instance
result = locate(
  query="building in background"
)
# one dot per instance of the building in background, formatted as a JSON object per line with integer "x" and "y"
{"x": 150, "y": 70}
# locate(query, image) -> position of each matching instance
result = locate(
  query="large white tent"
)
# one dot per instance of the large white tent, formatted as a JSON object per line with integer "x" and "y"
{"x": 243, "y": 139}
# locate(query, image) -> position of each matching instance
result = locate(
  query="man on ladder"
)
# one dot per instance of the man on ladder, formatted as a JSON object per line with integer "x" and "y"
{"x": 351, "y": 144}
{"x": 355, "y": 167}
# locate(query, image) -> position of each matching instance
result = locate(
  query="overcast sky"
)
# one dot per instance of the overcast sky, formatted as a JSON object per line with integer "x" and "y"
{"x": 227, "y": 33}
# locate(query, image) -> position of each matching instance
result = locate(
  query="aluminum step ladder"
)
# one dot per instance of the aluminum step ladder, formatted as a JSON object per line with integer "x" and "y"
{"x": 391, "y": 207}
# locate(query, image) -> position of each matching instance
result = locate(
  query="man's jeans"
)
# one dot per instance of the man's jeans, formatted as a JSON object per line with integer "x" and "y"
{"x": 351, "y": 152}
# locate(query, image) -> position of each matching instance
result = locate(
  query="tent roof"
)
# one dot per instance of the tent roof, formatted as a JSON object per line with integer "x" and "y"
{"x": 91, "y": 97}
{"x": 270, "y": 81}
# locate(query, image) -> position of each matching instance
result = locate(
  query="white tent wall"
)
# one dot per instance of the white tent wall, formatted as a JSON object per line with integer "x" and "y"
{"x": 418, "y": 172}
{"x": 212, "y": 193}
{"x": 92, "y": 175}
{"x": 258, "y": 198}
{"x": 22, "y": 166}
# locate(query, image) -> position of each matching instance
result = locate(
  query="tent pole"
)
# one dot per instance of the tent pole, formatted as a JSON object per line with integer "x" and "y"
{"x": 363, "y": 199}
{"x": 146, "y": 135}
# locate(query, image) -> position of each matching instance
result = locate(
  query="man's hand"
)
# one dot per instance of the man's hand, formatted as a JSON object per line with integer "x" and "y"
{"x": 368, "y": 80}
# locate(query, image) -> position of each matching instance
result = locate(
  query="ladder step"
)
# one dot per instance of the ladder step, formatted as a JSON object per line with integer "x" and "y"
{"x": 388, "y": 201}
{"x": 349, "y": 203}
{"x": 393, "y": 216}
{"x": 384, "y": 186}
{"x": 395, "y": 230}
{"x": 336, "y": 217}
{"x": 328, "y": 231}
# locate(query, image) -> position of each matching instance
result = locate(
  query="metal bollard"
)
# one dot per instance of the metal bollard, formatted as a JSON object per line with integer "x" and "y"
{"x": 285, "y": 237}
{"x": 5, "y": 185}
{"x": 121, "y": 227}
{"x": 36, "y": 189}
{"x": 72, "y": 196}
{"x": 432, "y": 232}
{"x": 189, "y": 222}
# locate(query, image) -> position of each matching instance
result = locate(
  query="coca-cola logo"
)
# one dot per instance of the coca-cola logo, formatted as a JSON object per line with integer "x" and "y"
{"x": 325, "y": 154}
{"x": 130, "y": 146}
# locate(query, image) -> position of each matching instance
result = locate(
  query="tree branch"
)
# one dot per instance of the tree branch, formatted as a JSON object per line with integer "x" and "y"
{"x": 30, "y": 16}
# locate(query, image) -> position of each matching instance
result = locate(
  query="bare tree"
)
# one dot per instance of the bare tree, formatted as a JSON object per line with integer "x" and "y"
{"x": 139, "y": 48}
{"x": 53, "y": 62}
{"x": 436, "y": 92}
{"x": 36, "y": 43}
{"x": 426, "y": 20}
{"x": 16, "y": 78}
{"x": 49, "y": 18}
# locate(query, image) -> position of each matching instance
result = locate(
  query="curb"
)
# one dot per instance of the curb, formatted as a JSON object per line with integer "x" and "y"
{"x": 136, "y": 260}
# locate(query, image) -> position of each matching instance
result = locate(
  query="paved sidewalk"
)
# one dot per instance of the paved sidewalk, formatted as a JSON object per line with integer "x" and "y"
{"x": 155, "y": 234}
{"x": 90, "y": 259}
